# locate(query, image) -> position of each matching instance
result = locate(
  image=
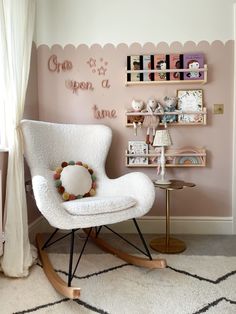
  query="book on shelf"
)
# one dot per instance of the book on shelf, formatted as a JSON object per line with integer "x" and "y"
{"x": 161, "y": 62}
{"x": 137, "y": 147}
{"x": 190, "y": 101}
{"x": 193, "y": 61}
{"x": 148, "y": 64}
{"x": 134, "y": 63}
{"x": 176, "y": 62}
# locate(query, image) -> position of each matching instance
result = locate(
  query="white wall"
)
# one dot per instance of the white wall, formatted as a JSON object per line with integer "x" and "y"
{"x": 128, "y": 21}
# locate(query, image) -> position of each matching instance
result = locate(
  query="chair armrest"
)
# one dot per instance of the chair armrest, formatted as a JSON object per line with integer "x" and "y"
{"x": 135, "y": 184}
{"x": 47, "y": 198}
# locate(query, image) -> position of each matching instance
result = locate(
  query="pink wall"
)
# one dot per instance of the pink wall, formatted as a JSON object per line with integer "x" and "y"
{"x": 31, "y": 101}
{"x": 57, "y": 103}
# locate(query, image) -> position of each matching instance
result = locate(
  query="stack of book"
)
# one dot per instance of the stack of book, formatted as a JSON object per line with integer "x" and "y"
{"x": 191, "y": 61}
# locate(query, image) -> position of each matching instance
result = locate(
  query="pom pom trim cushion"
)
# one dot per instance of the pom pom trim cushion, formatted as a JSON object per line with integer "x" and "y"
{"x": 74, "y": 180}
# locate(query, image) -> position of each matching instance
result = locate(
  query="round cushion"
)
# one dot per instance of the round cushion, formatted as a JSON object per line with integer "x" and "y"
{"x": 74, "y": 180}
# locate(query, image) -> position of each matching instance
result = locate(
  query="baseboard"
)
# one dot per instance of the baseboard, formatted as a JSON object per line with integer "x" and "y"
{"x": 189, "y": 225}
{"x": 156, "y": 225}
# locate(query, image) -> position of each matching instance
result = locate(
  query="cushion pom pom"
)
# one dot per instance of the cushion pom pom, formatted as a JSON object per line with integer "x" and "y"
{"x": 65, "y": 196}
{"x": 57, "y": 183}
{"x": 90, "y": 170}
{"x": 72, "y": 197}
{"x": 59, "y": 169}
{"x": 92, "y": 192}
{"x": 87, "y": 194}
{"x": 64, "y": 164}
{"x": 71, "y": 162}
{"x": 85, "y": 165}
{"x": 93, "y": 177}
{"x": 56, "y": 176}
{"x": 79, "y": 163}
{"x": 61, "y": 189}
{"x": 94, "y": 185}
{"x": 79, "y": 196}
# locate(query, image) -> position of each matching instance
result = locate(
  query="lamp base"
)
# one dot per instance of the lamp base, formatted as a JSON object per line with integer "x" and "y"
{"x": 163, "y": 182}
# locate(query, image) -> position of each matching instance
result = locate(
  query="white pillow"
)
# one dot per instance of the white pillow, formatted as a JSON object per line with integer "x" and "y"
{"x": 75, "y": 180}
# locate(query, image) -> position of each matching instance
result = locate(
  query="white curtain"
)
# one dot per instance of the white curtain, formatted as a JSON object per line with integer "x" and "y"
{"x": 16, "y": 35}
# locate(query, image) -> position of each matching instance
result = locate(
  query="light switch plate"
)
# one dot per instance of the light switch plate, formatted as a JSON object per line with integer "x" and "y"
{"x": 218, "y": 108}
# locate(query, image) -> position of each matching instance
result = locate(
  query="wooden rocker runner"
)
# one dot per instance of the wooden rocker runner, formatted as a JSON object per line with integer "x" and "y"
{"x": 65, "y": 288}
{"x": 74, "y": 204}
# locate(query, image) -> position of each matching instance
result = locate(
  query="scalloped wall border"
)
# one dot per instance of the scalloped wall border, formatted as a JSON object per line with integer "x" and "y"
{"x": 53, "y": 108}
{"x": 137, "y": 45}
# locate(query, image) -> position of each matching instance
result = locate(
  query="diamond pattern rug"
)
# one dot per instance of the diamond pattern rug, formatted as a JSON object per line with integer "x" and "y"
{"x": 189, "y": 285}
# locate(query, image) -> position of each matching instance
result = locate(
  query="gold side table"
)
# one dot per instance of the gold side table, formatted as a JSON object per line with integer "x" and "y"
{"x": 168, "y": 244}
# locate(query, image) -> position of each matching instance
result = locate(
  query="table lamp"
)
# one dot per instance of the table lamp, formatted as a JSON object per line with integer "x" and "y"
{"x": 162, "y": 138}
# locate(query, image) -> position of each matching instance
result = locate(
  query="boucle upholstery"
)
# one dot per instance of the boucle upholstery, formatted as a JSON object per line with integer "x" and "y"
{"x": 47, "y": 144}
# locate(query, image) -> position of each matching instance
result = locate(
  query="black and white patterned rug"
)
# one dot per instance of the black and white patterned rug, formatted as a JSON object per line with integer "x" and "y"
{"x": 189, "y": 285}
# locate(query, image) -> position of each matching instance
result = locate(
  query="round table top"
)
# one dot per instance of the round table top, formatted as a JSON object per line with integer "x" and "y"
{"x": 174, "y": 185}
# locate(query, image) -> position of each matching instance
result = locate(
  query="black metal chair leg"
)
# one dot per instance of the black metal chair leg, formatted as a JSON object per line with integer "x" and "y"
{"x": 49, "y": 239}
{"x": 98, "y": 229}
{"x": 71, "y": 257}
{"x": 142, "y": 238}
{"x": 82, "y": 251}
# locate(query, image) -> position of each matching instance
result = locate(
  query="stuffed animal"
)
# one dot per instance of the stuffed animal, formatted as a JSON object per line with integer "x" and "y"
{"x": 151, "y": 121}
{"x": 137, "y": 106}
{"x": 170, "y": 104}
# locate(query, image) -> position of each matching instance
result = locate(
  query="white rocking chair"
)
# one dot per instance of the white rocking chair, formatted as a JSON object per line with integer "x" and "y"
{"x": 46, "y": 146}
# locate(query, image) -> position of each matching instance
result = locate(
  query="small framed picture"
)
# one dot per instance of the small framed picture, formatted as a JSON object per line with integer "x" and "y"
{"x": 190, "y": 100}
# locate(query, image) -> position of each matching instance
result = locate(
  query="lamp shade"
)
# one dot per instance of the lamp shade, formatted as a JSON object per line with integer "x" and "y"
{"x": 162, "y": 138}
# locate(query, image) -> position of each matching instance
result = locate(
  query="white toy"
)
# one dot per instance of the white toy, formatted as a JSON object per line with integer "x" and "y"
{"x": 151, "y": 121}
{"x": 137, "y": 106}
{"x": 170, "y": 104}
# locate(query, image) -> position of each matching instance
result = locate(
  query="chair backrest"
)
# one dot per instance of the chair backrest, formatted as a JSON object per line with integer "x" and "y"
{"x": 47, "y": 145}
